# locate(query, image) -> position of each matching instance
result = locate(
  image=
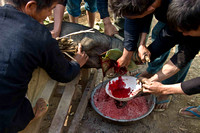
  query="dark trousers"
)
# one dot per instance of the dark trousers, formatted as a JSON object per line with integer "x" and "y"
{"x": 23, "y": 116}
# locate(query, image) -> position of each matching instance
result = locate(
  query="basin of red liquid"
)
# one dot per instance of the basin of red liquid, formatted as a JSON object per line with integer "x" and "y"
{"x": 134, "y": 109}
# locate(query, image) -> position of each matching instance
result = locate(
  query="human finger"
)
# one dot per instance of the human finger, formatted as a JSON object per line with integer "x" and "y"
{"x": 87, "y": 57}
{"x": 146, "y": 90}
{"x": 142, "y": 80}
{"x": 83, "y": 52}
{"x": 138, "y": 81}
{"x": 146, "y": 85}
{"x": 79, "y": 48}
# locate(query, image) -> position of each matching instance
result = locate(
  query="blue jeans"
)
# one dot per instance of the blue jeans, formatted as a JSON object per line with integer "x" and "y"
{"x": 157, "y": 64}
{"x": 73, "y": 6}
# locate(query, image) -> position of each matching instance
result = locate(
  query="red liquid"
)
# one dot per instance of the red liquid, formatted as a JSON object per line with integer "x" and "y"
{"x": 107, "y": 64}
{"x": 118, "y": 89}
{"x": 135, "y": 108}
{"x": 118, "y": 69}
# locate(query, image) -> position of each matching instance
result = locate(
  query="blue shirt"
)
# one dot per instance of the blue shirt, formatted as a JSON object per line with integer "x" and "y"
{"x": 25, "y": 44}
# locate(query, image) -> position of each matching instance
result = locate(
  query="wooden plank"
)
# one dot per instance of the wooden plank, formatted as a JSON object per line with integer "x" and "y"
{"x": 49, "y": 88}
{"x": 83, "y": 103}
{"x": 63, "y": 107}
{"x": 34, "y": 126}
{"x": 85, "y": 75}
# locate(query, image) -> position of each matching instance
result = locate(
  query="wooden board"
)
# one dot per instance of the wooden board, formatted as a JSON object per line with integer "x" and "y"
{"x": 83, "y": 103}
{"x": 85, "y": 75}
{"x": 64, "y": 104}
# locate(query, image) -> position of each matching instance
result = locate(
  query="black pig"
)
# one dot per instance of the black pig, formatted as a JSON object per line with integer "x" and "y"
{"x": 93, "y": 44}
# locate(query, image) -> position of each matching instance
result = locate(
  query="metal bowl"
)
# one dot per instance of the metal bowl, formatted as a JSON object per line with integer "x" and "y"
{"x": 151, "y": 100}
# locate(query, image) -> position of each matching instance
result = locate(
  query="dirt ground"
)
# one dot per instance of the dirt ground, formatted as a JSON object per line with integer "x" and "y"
{"x": 157, "y": 122}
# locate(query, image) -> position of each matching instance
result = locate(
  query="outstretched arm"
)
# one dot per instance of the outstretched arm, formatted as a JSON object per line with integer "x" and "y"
{"x": 187, "y": 87}
{"x": 58, "y": 17}
{"x": 57, "y": 66}
{"x": 159, "y": 88}
{"x": 168, "y": 70}
{"x": 133, "y": 29}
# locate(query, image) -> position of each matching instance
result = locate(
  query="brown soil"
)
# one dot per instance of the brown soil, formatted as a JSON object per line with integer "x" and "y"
{"x": 157, "y": 122}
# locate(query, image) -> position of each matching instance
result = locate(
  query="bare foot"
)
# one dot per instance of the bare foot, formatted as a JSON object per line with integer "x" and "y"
{"x": 162, "y": 102}
{"x": 40, "y": 108}
{"x": 187, "y": 112}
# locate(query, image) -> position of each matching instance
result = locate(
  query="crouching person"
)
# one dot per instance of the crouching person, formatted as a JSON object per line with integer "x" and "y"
{"x": 25, "y": 44}
{"x": 182, "y": 16}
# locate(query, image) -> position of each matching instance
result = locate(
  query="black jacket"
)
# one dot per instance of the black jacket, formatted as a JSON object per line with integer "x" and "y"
{"x": 25, "y": 44}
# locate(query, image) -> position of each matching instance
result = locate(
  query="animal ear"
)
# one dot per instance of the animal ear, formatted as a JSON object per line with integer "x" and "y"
{"x": 30, "y": 8}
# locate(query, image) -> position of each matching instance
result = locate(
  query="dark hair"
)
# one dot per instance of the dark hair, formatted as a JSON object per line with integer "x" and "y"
{"x": 184, "y": 14}
{"x": 129, "y": 7}
{"x": 40, "y": 3}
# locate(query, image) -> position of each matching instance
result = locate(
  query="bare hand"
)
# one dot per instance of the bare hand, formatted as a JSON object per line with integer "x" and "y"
{"x": 142, "y": 52}
{"x": 110, "y": 29}
{"x": 143, "y": 80}
{"x": 55, "y": 34}
{"x": 125, "y": 59}
{"x": 123, "y": 62}
{"x": 81, "y": 57}
{"x": 153, "y": 87}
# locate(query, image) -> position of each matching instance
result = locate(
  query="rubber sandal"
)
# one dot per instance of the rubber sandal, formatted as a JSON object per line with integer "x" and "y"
{"x": 196, "y": 116}
{"x": 163, "y": 101}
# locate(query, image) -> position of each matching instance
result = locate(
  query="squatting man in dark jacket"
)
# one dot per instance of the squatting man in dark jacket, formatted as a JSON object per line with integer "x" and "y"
{"x": 183, "y": 16}
{"x": 25, "y": 44}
